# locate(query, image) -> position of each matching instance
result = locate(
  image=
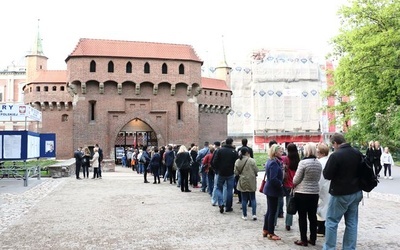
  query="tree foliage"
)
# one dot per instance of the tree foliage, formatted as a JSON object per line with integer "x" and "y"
{"x": 368, "y": 50}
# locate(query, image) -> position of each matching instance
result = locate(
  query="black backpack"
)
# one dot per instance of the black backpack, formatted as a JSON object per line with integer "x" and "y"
{"x": 368, "y": 179}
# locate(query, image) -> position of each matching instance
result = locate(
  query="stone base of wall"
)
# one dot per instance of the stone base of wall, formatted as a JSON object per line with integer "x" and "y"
{"x": 62, "y": 169}
{"x": 108, "y": 165}
{"x": 67, "y": 168}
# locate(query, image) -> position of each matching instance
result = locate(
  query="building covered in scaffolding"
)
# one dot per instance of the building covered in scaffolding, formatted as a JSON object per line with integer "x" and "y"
{"x": 277, "y": 95}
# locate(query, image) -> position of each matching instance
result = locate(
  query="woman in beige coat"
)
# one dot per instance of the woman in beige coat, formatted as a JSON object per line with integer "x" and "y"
{"x": 247, "y": 170}
{"x": 95, "y": 163}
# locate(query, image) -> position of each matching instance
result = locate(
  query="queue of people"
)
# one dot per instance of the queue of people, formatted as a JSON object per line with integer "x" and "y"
{"x": 326, "y": 189}
{"x": 325, "y": 186}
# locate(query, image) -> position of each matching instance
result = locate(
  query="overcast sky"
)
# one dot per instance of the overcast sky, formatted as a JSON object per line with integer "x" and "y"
{"x": 245, "y": 25}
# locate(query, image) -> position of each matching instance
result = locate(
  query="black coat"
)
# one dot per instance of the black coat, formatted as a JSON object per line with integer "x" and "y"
{"x": 342, "y": 168}
{"x": 78, "y": 157}
{"x": 155, "y": 161}
{"x": 183, "y": 160}
{"x": 224, "y": 160}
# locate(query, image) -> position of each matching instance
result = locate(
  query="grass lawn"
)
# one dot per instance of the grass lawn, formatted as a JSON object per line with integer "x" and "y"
{"x": 43, "y": 163}
{"x": 261, "y": 159}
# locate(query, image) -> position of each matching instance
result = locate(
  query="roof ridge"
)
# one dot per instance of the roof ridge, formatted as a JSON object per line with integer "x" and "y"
{"x": 129, "y": 41}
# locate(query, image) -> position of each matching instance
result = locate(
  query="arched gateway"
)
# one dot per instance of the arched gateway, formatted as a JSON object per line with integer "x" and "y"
{"x": 135, "y": 133}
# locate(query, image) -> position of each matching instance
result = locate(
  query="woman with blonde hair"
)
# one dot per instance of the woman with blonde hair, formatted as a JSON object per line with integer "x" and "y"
{"x": 86, "y": 162}
{"x": 95, "y": 163}
{"x": 370, "y": 151}
{"x": 183, "y": 161}
{"x": 273, "y": 189}
{"x": 306, "y": 190}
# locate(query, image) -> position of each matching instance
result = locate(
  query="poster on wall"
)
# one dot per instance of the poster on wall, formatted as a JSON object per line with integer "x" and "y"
{"x": 1, "y": 146}
{"x": 47, "y": 145}
{"x": 33, "y": 146}
{"x": 12, "y": 146}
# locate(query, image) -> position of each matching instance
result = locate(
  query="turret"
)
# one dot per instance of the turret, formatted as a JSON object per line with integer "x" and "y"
{"x": 223, "y": 71}
{"x": 35, "y": 60}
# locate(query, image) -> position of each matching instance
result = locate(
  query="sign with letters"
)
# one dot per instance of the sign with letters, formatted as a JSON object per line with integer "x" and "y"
{"x": 19, "y": 112}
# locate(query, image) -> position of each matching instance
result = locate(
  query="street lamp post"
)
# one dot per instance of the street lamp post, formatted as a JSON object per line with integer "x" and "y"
{"x": 265, "y": 133}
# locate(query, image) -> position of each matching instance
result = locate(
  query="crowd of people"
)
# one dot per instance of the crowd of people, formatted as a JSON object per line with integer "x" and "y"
{"x": 379, "y": 157}
{"x": 325, "y": 185}
{"x": 84, "y": 159}
{"x": 326, "y": 188}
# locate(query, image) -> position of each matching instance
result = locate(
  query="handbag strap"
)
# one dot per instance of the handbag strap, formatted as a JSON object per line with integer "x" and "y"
{"x": 243, "y": 166}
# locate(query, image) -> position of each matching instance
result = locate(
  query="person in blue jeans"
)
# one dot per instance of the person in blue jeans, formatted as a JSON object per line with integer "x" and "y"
{"x": 342, "y": 170}
{"x": 199, "y": 158}
{"x": 214, "y": 199}
{"x": 273, "y": 189}
{"x": 246, "y": 168}
{"x": 224, "y": 163}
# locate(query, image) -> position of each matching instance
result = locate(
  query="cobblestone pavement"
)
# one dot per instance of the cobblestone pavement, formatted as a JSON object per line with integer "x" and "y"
{"x": 121, "y": 212}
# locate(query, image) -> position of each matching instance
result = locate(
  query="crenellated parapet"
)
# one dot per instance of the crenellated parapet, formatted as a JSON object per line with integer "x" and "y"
{"x": 210, "y": 108}
{"x": 52, "y": 106}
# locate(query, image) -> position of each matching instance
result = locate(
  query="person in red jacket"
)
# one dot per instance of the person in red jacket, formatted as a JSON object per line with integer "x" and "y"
{"x": 209, "y": 170}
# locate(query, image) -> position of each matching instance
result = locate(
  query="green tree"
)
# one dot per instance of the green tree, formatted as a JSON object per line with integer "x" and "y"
{"x": 368, "y": 51}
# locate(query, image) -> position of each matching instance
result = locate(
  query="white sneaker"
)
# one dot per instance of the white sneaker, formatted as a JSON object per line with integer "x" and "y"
{"x": 385, "y": 177}
{"x": 254, "y": 217}
{"x": 244, "y": 217}
{"x": 390, "y": 178}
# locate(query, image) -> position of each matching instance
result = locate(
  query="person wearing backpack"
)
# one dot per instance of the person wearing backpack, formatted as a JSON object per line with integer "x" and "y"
{"x": 342, "y": 169}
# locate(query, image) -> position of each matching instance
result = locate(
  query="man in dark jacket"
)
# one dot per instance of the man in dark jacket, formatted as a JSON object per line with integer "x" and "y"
{"x": 100, "y": 158}
{"x": 342, "y": 170}
{"x": 169, "y": 162}
{"x": 78, "y": 162}
{"x": 224, "y": 164}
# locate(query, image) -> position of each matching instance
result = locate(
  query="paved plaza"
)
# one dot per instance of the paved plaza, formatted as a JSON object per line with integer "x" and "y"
{"x": 121, "y": 212}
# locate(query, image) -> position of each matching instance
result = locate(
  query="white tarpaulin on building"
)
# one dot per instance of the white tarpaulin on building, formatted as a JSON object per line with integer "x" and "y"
{"x": 19, "y": 112}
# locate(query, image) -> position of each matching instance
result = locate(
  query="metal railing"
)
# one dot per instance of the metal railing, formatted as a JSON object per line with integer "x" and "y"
{"x": 19, "y": 172}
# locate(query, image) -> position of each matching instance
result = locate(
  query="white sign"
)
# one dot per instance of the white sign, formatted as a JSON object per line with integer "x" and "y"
{"x": 19, "y": 112}
{"x": 12, "y": 146}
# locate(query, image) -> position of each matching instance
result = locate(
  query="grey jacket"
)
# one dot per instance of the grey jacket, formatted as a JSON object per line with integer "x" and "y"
{"x": 307, "y": 176}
